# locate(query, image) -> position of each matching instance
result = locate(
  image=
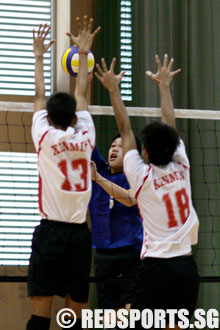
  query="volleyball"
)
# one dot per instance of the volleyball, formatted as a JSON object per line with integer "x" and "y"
{"x": 70, "y": 61}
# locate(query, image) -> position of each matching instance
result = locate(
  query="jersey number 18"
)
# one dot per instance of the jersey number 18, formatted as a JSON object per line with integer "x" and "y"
{"x": 182, "y": 200}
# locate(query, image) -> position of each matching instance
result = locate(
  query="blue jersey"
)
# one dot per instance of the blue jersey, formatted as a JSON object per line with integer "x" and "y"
{"x": 114, "y": 225}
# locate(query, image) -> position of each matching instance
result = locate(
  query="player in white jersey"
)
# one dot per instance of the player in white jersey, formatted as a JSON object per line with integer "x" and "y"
{"x": 168, "y": 277}
{"x": 64, "y": 140}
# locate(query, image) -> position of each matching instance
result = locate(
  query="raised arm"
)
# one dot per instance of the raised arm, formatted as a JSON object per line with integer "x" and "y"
{"x": 84, "y": 42}
{"x": 111, "y": 81}
{"x": 89, "y": 88}
{"x": 163, "y": 78}
{"x": 40, "y": 48}
{"x": 122, "y": 195}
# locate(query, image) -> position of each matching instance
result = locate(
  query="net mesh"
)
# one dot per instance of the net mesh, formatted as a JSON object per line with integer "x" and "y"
{"x": 18, "y": 178}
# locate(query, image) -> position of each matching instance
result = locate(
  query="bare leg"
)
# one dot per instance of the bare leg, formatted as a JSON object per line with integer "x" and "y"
{"x": 128, "y": 307}
{"x": 41, "y": 306}
{"x": 40, "y": 310}
{"x": 75, "y": 306}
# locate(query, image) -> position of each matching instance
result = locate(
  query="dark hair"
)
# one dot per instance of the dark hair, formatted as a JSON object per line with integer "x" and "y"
{"x": 61, "y": 109}
{"x": 138, "y": 142}
{"x": 160, "y": 141}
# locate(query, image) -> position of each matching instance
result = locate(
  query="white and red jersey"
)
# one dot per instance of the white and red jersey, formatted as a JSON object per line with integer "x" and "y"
{"x": 64, "y": 167}
{"x": 163, "y": 195}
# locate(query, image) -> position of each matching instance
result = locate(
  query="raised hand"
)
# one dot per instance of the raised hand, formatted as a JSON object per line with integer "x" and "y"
{"x": 107, "y": 77}
{"x": 38, "y": 41}
{"x": 85, "y": 36}
{"x": 164, "y": 75}
{"x": 93, "y": 170}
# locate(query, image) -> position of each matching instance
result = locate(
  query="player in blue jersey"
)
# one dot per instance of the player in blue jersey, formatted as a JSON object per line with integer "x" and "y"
{"x": 116, "y": 229}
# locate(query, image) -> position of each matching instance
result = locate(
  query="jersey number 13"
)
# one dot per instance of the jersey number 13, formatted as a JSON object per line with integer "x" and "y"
{"x": 79, "y": 165}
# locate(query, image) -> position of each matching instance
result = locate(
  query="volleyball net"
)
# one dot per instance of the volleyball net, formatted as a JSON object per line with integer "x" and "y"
{"x": 200, "y": 130}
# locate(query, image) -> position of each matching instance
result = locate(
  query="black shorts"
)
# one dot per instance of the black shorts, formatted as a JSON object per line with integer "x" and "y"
{"x": 116, "y": 271}
{"x": 60, "y": 260}
{"x": 167, "y": 284}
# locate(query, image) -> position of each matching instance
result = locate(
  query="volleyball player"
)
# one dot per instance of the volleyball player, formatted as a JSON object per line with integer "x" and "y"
{"x": 168, "y": 277}
{"x": 116, "y": 229}
{"x": 64, "y": 140}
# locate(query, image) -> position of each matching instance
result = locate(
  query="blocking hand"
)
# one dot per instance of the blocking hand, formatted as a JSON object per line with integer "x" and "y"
{"x": 85, "y": 36}
{"x": 164, "y": 75}
{"x": 38, "y": 41}
{"x": 107, "y": 77}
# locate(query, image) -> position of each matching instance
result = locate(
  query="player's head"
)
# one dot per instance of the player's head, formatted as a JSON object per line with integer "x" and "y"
{"x": 160, "y": 142}
{"x": 61, "y": 109}
{"x": 115, "y": 153}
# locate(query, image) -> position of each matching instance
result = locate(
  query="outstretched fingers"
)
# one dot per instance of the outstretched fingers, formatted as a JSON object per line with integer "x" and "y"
{"x": 99, "y": 69}
{"x": 96, "y": 31}
{"x": 148, "y": 73}
{"x": 42, "y": 30}
{"x": 98, "y": 76}
{"x": 50, "y": 44}
{"x": 70, "y": 35}
{"x": 152, "y": 76}
{"x": 84, "y": 31}
{"x": 170, "y": 67}
{"x": 112, "y": 66}
{"x": 90, "y": 25}
{"x": 120, "y": 75}
{"x": 33, "y": 34}
{"x": 157, "y": 60}
{"x": 47, "y": 31}
{"x": 78, "y": 23}
{"x": 104, "y": 66}
{"x": 85, "y": 22}
{"x": 107, "y": 76}
{"x": 39, "y": 30}
{"x": 165, "y": 60}
{"x": 175, "y": 72}
{"x": 170, "y": 64}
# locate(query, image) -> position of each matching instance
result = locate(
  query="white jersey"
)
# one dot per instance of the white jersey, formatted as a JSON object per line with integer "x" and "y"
{"x": 163, "y": 195}
{"x": 64, "y": 167}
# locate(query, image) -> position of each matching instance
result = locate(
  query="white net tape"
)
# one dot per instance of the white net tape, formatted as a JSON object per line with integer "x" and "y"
{"x": 132, "y": 111}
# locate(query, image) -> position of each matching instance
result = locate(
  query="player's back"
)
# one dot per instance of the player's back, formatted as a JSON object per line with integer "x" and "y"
{"x": 163, "y": 194}
{"x": 170, "y": 221}
{"x": 64, "y": 167}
